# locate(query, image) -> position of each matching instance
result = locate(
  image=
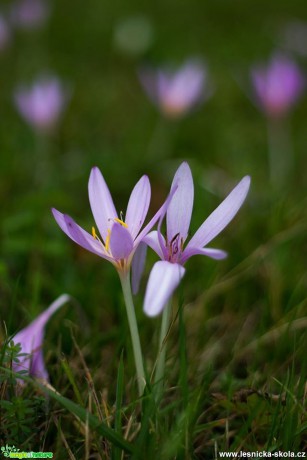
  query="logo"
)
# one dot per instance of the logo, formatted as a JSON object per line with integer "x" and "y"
{"x": 13, "y": 452}
{"x": 8, "y": 449}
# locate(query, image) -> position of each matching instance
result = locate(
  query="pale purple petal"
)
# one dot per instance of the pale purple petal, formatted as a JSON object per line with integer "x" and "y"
{"x": 222, "y": 215}
{"x": 31, "y": 341}
{"x": 176, "y": 92}
{"x": 101, "y": 202}
{"x": 155, "y": 218}
{"x": 181, "y": 90}
{"x": 137, "y": 266}
{"x": 216, "y": 254}
{"x": 138, "y": 206}
{"x": 31, "y": 345}
{"x": 44, "y": 317}
{"x": 78, "y": 235}
{"x": 278, "y": 85}
{"x": 163, "y": 280}
{"x": 121, "y": 243}
{"x": 179, "y": 211}
{"x": 29, "y": 14}
{"x": 41, "y": 104}
{"x": 152, "y": 240}
{"x": 38, "y": 368}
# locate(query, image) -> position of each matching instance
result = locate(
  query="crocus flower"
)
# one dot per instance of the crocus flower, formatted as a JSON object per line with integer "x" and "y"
{"x": 277, "y": 85}
{"x": 31, "y": 340}
{"x": 119, "y": 235}
{"x": 175, "y": 93}
{"x": 42, "y": 104}
{"x": 29, "y": 14}
{"x": 167, "y": 273}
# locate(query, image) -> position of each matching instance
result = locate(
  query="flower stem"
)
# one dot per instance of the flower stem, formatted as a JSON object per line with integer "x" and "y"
{"x": 280, "y": 152}
{"x": 159, "y": 375}
{"x": 136, "y": 345}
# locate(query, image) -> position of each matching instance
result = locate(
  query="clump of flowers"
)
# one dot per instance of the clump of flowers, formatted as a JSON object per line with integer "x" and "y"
{"x": 122, "y": 241}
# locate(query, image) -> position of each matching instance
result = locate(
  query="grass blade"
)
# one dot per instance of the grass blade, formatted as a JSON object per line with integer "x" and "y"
{"x": 116, "y": 454}
{"x": 86, "y": 417}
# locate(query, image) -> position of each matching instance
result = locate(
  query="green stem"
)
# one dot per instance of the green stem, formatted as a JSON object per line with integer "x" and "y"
{"x": 136, "y": 344}
{"x": 280, "y": 152}
{"x": 159, "y": 375}
{"x": 161, "y": 141}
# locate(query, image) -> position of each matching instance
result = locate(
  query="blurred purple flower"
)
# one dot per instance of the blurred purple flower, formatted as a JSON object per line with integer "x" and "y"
{"x": 119, "y": 238}
{"x": 5, "y": 33}
{"x": 29, "y": 14}
{"x": 167, "y": 273}
{"x": 175, "y": 93}
{"x": 278, "y": 85}
{"x": 31, "y": 341}
{"x": 41, "y": 104}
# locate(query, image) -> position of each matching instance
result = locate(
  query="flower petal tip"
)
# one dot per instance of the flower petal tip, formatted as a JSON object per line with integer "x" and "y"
{"x": 247, "y": 179}
{"x": 245, "y": 183}
{"x": 163, "y": 280}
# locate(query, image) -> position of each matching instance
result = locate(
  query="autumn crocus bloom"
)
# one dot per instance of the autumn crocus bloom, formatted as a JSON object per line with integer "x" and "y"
{"x": 119, "y": 235}
{"x": 278, "y": 85}
{"x": 173, "y": 250}
{"x": 31, "y": 340}
{"x": 176, "y": 92}
{"x": 41, "y": 104}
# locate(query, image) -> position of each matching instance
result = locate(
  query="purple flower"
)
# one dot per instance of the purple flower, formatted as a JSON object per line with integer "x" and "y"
{"x": 31, "y": 341}
{"x": 29, "y": 14}
{"x": 278, "y": 85}
{"x": 42, "y": 104}
{"x": 119, "y": 236}
{"x": 167, "y": 273}
{"x": 175, "y": 93}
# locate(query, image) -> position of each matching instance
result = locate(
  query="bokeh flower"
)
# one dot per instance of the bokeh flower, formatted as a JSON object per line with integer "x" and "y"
{"x": 31, "y": 340}
{"x": 29, "y": 14}
{"x": 42, "y": 104}
{"x": 277, "y": 85}
{"x": 167, "y": 273}
{"x": 119, "y": 236}
{"x": 176, "y": 92}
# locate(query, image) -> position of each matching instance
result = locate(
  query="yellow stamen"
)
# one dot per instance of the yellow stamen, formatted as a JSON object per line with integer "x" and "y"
{"x": 121, "y": 222}
{"x": 107, "y": 244}
{"x": 94, "y": 233}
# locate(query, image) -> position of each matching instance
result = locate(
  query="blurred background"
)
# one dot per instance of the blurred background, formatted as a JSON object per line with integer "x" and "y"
{"x": 83, "y": 65}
